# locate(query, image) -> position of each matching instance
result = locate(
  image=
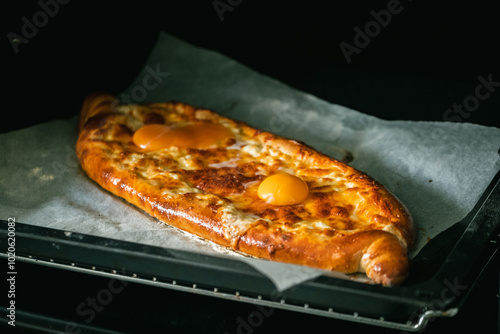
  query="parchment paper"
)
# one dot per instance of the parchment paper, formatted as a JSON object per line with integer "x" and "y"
{"x": 438, "y": 169}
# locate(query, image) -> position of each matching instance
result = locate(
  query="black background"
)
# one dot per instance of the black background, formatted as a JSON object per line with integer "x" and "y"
{"x": 428, "y": 58}
{"x": 425, "y": 60}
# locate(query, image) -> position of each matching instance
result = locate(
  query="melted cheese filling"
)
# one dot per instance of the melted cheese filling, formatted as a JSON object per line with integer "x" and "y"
{"x": 161, "y": 163}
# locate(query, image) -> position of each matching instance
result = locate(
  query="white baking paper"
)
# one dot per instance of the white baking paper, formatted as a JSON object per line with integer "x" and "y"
{"x": 438, "y": 169}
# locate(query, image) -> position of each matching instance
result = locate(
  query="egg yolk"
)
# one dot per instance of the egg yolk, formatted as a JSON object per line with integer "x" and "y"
{"x": 283, "y": 189}
{"x": 199, "y": 135}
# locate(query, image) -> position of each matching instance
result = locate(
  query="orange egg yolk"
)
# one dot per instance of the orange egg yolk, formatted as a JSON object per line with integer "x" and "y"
{"x": 283, "y": 189}
{"x": 199, "y": 135}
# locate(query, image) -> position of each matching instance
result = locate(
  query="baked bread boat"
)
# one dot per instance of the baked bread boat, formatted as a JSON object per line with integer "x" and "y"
{"x": 250, "y": 190}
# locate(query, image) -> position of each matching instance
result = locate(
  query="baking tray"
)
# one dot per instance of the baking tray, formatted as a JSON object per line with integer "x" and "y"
{"x": 442, "y": 275}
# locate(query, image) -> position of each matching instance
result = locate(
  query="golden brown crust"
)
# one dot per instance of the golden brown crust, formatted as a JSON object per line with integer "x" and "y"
{"x": 349, "y": 222}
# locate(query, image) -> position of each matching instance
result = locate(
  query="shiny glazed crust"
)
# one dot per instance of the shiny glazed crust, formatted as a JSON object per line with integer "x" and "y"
{"x": 348, "y": 223}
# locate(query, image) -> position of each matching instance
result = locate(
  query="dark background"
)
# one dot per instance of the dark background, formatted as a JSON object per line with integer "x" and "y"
{"x": 428, "y": 58}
